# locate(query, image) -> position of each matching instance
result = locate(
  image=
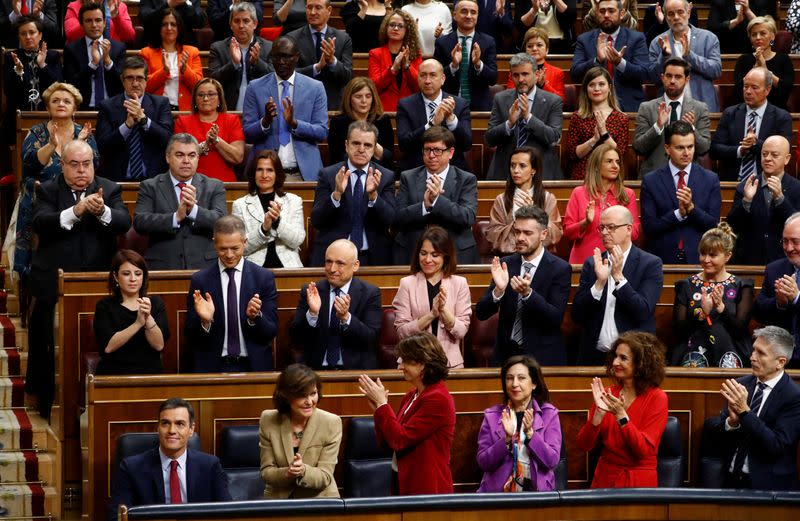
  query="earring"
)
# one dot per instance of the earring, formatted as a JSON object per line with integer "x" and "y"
{"x": 771, "y": 43}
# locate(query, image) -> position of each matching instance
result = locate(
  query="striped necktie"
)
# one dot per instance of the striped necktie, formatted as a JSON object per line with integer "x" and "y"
{"x": 749, "y": 160}
{"x": 464, "y": 70}
{"x": 516, "y": 331}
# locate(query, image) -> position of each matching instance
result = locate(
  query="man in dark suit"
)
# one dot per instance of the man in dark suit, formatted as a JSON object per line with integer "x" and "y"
{"x": 469, "y": 58}
{"x": 620, "y": 50}
{"x": 220, "y": 12}
{"x": 170, "y": 473}
{"x": 759, "y": 427}
{"x": 531, "y": 314}
{"x": 77, "y": 218}
{"x": 355, "y": 200}
{"x": 497, "y": 22}
{"x": 525, "y": 116}
{"x": 326, "y": 53}
{"x": 233, "y": 339}
{"x": 338, "y": 319}
{"x": 436, "y": 193}
{"x": 94, "y": 63}
{"x": 240, "y": 58}
{"x": 177, "y": 210}
{"x": 133, "y": 127}
{"x": 742, "y": 129}
{"x": 46, "y": 11}
{"x": 762, "y": 204}
{"x": 680, "y": 200}
{"x": 419, "y": 112}
{"x": 618, "y": 289}
{"x": 191, "y": 13}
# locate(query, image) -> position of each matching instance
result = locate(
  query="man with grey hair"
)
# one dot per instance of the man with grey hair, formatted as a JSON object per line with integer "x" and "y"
{"x": 525, "y": 116}
{"x": 758, "y": 430}
{"x": 176, "y": 210}
{"x": 220, "y": 13}
{"x": 619, "y": 288}
{"x": 742, "y": 129}
{"x": 231, "y": 329}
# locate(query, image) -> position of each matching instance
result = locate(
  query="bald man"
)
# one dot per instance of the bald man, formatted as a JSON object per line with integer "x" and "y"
{"x": 338, "y": 319}
{"x": 742, "y": 129}
{"x": 762, "y": 204}
{"x": 432, "y": 106}
{"x": 618, "y": 290}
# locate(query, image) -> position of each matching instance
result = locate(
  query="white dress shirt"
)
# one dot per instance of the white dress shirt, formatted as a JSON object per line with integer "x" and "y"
{"x": 237, "y": 279}
{"x": 166, "y": 464}
{"x": 608, "y": 331}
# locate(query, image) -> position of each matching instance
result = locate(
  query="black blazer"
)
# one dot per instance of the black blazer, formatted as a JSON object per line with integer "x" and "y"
{"x": 333, "y": 77}
{"x": 221, "y": 68}
{"x": 760, "y": 230}
{"x": 730, "y": 132}
{"x": 50, "y": 24}
{"x": 542, "y": 312}
{"x": 219, "y": 15}
{"x": 359, "y": 342}
{"x": 194, "y": 17}
{"x": 334, "y": 223}
{"x": 412, "y": 116}
{"x": 337, "y": 134}
{"x": 771, "y": 437}
{"x": 76, "y": 68}
{"x": 480, "y": 83}
{"x": 114, "y": 148}
{"x": 766, "y": 310}
{"x": 17, "y": 89}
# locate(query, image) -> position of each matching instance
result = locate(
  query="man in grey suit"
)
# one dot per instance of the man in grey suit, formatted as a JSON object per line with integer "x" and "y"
{"x": 436, "y": 193}
{"x": 240, "y": 58}
{"x": 326, "y": 54}
{"x": 525, "y": 116}
{"x": 177, "y": 210}
{"x": 676, "y": 104}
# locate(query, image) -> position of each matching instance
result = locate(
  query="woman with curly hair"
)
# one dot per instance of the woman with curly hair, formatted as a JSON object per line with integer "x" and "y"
{"x": 395, "y": 66}
{"x": 628, "y": 418}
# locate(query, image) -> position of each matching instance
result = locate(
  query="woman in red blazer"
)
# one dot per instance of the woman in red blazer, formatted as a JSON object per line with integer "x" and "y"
{"x": 395, "y": 66}
{"x": 173, "y": 68}
{"x": 421, "y": 432}
{"x": 548, "y": 77}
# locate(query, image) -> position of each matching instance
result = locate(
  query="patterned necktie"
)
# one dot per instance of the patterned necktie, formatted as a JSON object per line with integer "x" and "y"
{"x": 334, "y": 347}
{"x": 464, "y": 70}
{"x": 516, "y": 331}
{"x": 232, "y": 315}
{"x": 522, "y": 130}
{"x": 136, "y": 168}
{"x": 681, "y": 184}
{"x": 431, "y": 111}
{"x": 174, "y": 483}
{"x": 284, "y": 137}
{"x": 673, "y": 115}
{"x": 755, "y": 405}
{"x": 318, "y": 44}
{"x": 357, "y": 208}
{"x": 749, "y": 160}
{"x": 609, "y": 63}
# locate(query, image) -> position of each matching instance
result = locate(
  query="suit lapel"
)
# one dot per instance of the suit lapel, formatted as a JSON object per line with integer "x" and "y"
{"x": 286, "y": 438}
{"x": 420, "y": 295}
{"x": 309, "y": 433}
{"x": 450, "y": 182}
{"x": 630, "y": 263}
{"x": 254, "y": 208}
{"x": 191, "y": 476}
{"x": 741, "y": 113}
{"x": 766, "y": 130}
{"x": 774, "y": 397}
{"x": 168, "y": 191}
{"x": 157, "y": 477}
{"x": 669, "y": 186}
{"x": 542, "y": 272}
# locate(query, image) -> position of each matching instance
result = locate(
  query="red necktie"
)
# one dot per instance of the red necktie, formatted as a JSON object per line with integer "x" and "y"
{"x": 180, "y": 187}
{"x": 174, "y": 483}
{"x": 609, "y": 63}
{"x": 24, "y": 7}
{"x": 681, "y": 184}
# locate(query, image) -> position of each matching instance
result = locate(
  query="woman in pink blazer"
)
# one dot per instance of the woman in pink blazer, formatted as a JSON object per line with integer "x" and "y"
{"x": 433, "y": 298}
{"x": 395, "y": 66}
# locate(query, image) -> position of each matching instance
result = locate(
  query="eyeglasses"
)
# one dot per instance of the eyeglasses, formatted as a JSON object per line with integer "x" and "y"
{"x": 282, "y": 57}
{"x": 207, "y": 95}
{"x": 610, "y": 228}
{"x": 397, "y": 26}
{"x": 76, "y": 164}
{"x": 134, "y": 79}
{"x": 794, "y": 242}
{"x": 433, "y": 151}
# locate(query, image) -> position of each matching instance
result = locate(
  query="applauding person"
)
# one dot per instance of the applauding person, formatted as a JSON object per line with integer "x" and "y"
{"x": 395, "y": 66}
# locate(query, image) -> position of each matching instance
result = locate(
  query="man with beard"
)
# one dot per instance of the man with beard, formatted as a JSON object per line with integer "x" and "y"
{"x": 531, "y": 313}
{"x": 620, "y": 50}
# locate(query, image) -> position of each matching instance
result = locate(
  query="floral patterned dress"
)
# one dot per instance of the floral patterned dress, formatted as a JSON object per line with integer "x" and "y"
{"x": 582, "y": 129}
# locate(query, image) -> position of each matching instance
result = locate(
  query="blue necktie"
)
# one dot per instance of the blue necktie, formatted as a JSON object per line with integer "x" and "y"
{"x": 755, "y": 405}
{"x": 99, "y": 86}
{"x": 318, "y": 44}
{"x": 749, "y": 159}
{"x": 232, "y": 315}
{"x": 284, "y": 138}
{"x": 107, "y": 30}
{"x": 334, "y": 347}
{"x": 136, "y": 168}
{"x": 357, "y": 217}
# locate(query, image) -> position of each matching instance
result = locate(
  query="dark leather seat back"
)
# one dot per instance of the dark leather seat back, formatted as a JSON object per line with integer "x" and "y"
{"x": 485, "y": 248}
{"x": 133, "y": 443}
{"x": 388, "y": 339}
{"x": 670, "y": 455}
{"x": 241, "y": 458}
{"x": 368, "y": 467}
{"x": 561, "y": 469}
{"x": 571, "y": 93}
{"x": 711, "y": 460}
{"x": 482, "y": 334}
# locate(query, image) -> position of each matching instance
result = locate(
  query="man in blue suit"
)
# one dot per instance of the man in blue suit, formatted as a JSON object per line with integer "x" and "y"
{"x": 229, "y": 338}
{"x": 287, "y": 112}
{"x": 759, "y": 427}
{"x": 172, "y": 472}
{"x": 469, "y": 58}
{"x": 680, "y": 200}
{"x": 354, "y": 200}
{"x": 618, "y": 289}
{"x": 616, "y": 47}
{"x": 530, "y": 290}
{"x": 497, "y": 23}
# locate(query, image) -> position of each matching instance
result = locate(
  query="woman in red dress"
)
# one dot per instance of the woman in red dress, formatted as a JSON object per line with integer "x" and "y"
{"x": 628, "y": 418}
{"x": 597, "y": 120}
{"x": 548, "y": 77}
{"x": 395, "y": 66}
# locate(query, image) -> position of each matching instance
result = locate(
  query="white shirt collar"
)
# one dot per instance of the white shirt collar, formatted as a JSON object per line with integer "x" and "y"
{"x": 239, "y": 266}
{"x": 89, "y": 41}
{"x": 470, "y": 36}
{"x": 679, "y": 99}
{"x": 175, "y": 180}
{"x": 772, "y": 382}
{"x": 442, "y": 174}
{"x": 166, "y": 461}
{"x": 290, "y": 79}
{"x": 536, "y": 260}
{"x": 345, "y": 288}
{"x": 674, "y": 170}
{"x": 437, "y": 99}
{"x": 760, "y": 110}
{"x": 352, "y": 168}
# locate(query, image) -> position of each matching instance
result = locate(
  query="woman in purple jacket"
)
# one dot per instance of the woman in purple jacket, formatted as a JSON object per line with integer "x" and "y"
{"x": 519, "y": 444}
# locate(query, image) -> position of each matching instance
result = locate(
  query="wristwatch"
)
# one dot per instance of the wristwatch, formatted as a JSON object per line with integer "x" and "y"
{"x": 623, "y": 421}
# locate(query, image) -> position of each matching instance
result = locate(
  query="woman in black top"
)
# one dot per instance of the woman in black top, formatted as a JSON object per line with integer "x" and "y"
{"x": 762, "y": 30}
{"x": 362, "y": 21}
{"x": 130, "y": 327}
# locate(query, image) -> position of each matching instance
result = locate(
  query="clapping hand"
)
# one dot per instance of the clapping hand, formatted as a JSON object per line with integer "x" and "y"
{"x": 602, "y": 269}
{"x": 18, "y": 67}
{"x": 663, "y": 41}
{"x": 602, "y": 47}
{"x": 433, "y": 189}
{"x": 688, "y": 117}
{"x": 759, "y": 56}
{"x": 437, "y": 32}
{"x": 600, "y": 120}
{"x": 341, "y": 181}
{"x": 296, "y": 469}
{"x": 235, "y": 51}
{"x": 786, "y": 290}
{"x": 94, "y": 203}
{"x": 212, "y": 135}
{"x": 521, "y": 285}
{"x": 455, "y": 56}
{"x": 373, "y": 182}
{"x": 255, "y": 52}
{"x": 184, "y": 60}
{"x": 271, "y": 216}
{"x": 288, "y": 112}
{"x": 527, "y": 423}
{"x": 774, "y": 186}
{"x": 86, "y": 132}
{"x": 499, "y": 276}
{"x": 615, "y": 55}
{"x": 144, "y": 310}
{"x": 685, "y": 204}
{"x": 204, "y": 306}
{"x": 313, "y": 299}
{"x": 253, "y": 310}
{"x": 750, "y": 188}
{"x": 522, "y": 198}
{"x": 375, "y": 392}
{"x": 188, "y": 199}
{"x": 664, "y": 112}
{"x": 508, "y": 422}
{"x": 41, "y": 56}
{"x": 476, "y": 55}
{"x": 341, "y": 306}
{"x": 399, "y": 60}
{"x": 270, "y": 112}
{"x": 736, "y": 395}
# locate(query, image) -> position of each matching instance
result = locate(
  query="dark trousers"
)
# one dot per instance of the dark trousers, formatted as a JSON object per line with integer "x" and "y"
{"x": 232, "y": 364}
{"x": 736, "y": 480}
{"x": 40, "y": 376}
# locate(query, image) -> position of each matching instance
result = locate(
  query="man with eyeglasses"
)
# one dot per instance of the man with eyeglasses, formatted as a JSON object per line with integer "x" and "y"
{"x": 437, "y": 193}
{"x": 133, "y": 127}
{"x": 77, "y": 217}
{"x": 762, "y": 204}
{"x": 619, "y": 288}
{"x": 354, "y": 199}
{"x": 177, "y": 210}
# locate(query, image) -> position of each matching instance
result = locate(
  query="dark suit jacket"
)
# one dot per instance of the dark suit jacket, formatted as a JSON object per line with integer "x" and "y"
{"x": 194, "y": 17}
{"x": 221, "y": 68}
{"x": 628, "y": 84}
{"x": 359, "y": 341}
{"x": 258, "y": 337}
{"x": 730, "y": 132}
{"x": 766, "y": 310}
{"x": 480, "y": 83}
{"x": 771, "y": 437}
{"x": 141, "y": 482}
{"x": 336, "y": 223}
{"x": 17, "y": 89}
{"x": 334, "y": 77}
{"x": 50, "y": 24}
{"x": 219, "y": 15}
{"x": 760, "y": 230}
{"x": 454, "y": 211}
{"x": 542, "y": 312}
{"x": 190, "y": 246}
{"x": 114, "y": 148}
{"x": 495, "y": 26}
{"x": 636, "y": 300}
{"x": 412, "y": 116}
{"x": 659, "y": 202}
{"x": 76, "y": 68}
{"x": 88, "y": 246}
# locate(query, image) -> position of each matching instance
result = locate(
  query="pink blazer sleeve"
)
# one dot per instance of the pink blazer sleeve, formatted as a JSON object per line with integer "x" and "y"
{"x": 406, "y": 314}
{"x": 462, "y": 305}
{"x": 122, "y": 25}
